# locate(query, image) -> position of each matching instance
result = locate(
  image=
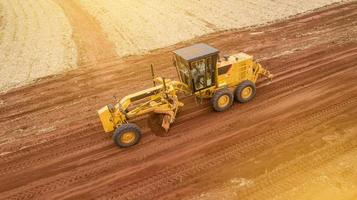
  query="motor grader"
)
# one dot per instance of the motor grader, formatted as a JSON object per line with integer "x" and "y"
{"x": 202, "y": 73}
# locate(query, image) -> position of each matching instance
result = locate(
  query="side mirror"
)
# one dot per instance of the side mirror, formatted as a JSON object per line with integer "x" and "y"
{"x": 226, "y": 57}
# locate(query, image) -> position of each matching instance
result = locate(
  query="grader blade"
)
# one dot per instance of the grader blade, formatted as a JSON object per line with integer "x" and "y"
{"x": 196, "y": 68}
{"x": 159, "y": 124}
{"x": 166, "y": 122}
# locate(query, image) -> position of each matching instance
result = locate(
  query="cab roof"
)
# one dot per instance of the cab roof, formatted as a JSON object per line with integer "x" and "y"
{"x": 196, "y": 51}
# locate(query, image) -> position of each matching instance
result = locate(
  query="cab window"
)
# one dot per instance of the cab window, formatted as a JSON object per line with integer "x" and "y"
{"x": 201, "y": 71}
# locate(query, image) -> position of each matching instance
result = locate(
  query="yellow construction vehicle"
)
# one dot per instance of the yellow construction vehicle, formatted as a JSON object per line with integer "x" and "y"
{"x": 202, "y": 73}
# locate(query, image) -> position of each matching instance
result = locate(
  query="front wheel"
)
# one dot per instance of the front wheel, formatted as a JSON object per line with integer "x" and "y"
{"x": 127, "y": 135}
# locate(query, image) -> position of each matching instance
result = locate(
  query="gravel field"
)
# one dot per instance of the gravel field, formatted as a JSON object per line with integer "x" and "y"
{"x": 43, "y": 37}
{"x": 139, "y": 26}
{"x": 297, "y": 139}
{"x": 35, "y": 41}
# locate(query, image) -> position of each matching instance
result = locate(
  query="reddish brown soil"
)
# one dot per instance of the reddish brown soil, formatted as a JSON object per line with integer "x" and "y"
{"x": 53, "y": 145}
{"x": 92, "y": 43}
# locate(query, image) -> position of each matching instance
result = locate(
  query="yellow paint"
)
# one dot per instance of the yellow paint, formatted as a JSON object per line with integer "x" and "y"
{"x": 246, "y": 92}
{"x": 127, "y": 137}
{"x": 164, "y": 100}
{"x": 158, "y": 100}
{"x": 223, "y": 101}
{"x": 242, "y": 68}
{"x": 106, "y": 119}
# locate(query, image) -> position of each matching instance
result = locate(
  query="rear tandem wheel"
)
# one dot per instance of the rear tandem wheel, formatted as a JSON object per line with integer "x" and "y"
{"x": 245, "y": 91}
{"x": 222, "y": 100}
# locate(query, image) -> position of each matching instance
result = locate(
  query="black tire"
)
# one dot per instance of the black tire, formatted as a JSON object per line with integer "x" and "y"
{"x": 129, "y": 128}
{"x": 216, "y": 97}
{"x": 238, "y": 93}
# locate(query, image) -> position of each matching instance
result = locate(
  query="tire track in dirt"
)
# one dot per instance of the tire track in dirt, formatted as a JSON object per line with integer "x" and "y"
{"x": 92, "y": 43}
{"x": 168, "y": 179}
{"x": 289, "y": 174}
{"x": 76, "y": 157}
{"x": 85, "y": 142}
{"x": 64, "y": 93}
{"x": 292, "y": 173}
{"x": 303, "y": 164}
{"x": 112, "y": 68}
{"x": 254, "y": 139}
{"x": 73, "y": 109}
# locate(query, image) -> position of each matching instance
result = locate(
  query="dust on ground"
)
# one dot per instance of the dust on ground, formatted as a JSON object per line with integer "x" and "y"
{"x": 139, "y": 26}
{"x": 35, "y": 41}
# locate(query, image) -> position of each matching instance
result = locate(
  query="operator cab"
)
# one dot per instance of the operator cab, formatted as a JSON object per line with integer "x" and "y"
{"x": 196, "y": 66}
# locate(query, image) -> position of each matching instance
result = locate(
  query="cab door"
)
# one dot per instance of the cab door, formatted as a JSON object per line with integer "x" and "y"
{"x": 202, "y": 73}
{"x": 183, "y": 70}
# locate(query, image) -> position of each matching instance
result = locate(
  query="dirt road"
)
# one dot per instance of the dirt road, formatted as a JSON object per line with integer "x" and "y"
{"x": 92, "y": 43}
{"x": 298, "y": 136}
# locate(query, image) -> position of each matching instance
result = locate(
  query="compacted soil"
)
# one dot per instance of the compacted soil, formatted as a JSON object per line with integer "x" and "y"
{"x": 39, "y": 38}
{"x": 35, "y": 41}
{"x": 138, "y": 26}
{"x": 296, "y": 140}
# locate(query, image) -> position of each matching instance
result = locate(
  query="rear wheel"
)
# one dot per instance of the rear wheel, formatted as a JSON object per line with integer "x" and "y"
{"x": 245, "y": 91}
{"x": 222, "y": 100}
{"x": 127, "y": 135}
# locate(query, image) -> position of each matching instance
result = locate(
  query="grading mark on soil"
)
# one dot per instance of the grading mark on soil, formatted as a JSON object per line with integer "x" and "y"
{"x": 303, "y": 122}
